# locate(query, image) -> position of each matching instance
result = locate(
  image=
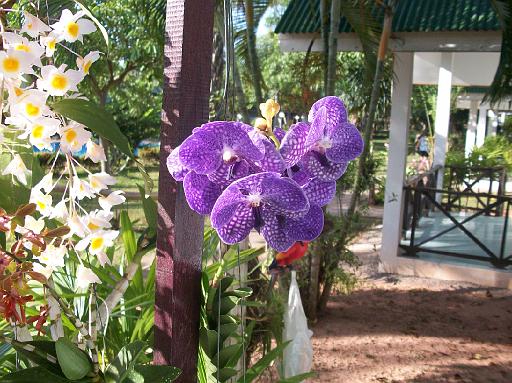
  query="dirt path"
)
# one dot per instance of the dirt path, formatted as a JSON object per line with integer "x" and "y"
{"x": 405, "y": 329}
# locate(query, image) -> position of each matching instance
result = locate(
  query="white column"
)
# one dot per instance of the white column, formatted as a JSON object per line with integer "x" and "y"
{"x": 397, "y": 158}
{"x": 471, "y": 129}
{"x": 482, "y": 125}
{"x": 444, "y": 88}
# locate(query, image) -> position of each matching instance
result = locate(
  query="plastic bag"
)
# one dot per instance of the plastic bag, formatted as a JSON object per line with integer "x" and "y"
{"x": 298, "y": 355}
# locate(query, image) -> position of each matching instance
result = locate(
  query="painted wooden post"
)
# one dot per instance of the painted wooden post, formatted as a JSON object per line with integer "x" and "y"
{"x": 186, "y": 87}
{"x": 471, "y": 129}
{"x": 397, "y": 151}
{"x": 482, "y": 125}
{"x": 442, "y": 123}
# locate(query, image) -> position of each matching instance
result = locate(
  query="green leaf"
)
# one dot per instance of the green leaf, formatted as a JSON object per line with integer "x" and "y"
{"x": 208, "y": 340}
{"x": 43, "y": 347}
{"x": 95, "y": 20}
{"x": 130, "y": 248}
{"x": 95, "y": 118}
{"x": 150, "y": 208}
{"x": 228, "y": 355}
{"x": 124, "y": 362}
{"x": 262, "y": 364}
{"x": 33, "y": 374}
{"x": 14, "y": 193}
{"x": 157, "y": 374}
{"x": 75, "y": 363}
{"x": 241, "y": 292}
{"x": 226, "y": 373}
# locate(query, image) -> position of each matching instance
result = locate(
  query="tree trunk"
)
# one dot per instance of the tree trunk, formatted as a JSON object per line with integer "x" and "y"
{"x": 374, "y": 99}
{"x": 367, "y": 130}
{"x": 324, "y": 17}
{"x": 333, "y": 47}
{"x": 251, "y": 51}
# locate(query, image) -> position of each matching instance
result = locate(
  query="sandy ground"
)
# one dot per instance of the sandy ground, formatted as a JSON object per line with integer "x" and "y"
{"x": 406, "y": 329}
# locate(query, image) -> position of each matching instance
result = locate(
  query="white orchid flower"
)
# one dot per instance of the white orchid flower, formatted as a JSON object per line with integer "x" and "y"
{"x": 18, "y": 169}
{"x": 113, "y": 199}
{"x": 59, "y": 81}
{"x": 100, "y": 181}
{"x": 32, "y": 26}
{"x": 95, "y": 152}
{"x": 15, "y": 63}
{"x": 84, "y": 63}
{"x": 73, "y": 27}
{"x": 85, "y": 276}
{"x": 98, "y": 242}
{"x": 42, "y": 201}
{"x": 73, "y": 137}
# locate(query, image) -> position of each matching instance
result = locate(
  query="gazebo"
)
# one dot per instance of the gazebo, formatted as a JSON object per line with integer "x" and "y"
{"x": 446, "y": 43}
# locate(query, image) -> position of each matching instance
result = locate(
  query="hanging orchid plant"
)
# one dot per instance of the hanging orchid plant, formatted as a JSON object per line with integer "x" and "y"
{"x": 275, "y": 182}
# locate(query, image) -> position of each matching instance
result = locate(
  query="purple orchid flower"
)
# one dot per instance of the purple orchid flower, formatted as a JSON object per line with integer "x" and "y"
{"x": 175, "y": 167}
{"x": 327, "y": 144}
{"x": 219, "y": 147}
{"x": 267, "y": 202}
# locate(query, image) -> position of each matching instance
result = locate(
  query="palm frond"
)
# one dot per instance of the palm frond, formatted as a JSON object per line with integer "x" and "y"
{"x": 501, "y": 86}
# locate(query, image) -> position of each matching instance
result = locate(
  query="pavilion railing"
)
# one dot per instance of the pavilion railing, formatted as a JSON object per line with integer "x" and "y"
{"x": 423, "y": 199}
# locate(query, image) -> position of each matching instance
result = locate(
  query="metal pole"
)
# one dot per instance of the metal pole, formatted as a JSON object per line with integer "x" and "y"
{"x": 186, "y": 89}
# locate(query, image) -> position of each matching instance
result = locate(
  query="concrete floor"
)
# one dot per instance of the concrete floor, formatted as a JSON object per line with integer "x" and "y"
{"x": 487, "y": 229}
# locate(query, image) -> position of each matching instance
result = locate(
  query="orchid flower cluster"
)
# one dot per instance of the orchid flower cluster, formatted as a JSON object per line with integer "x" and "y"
{"x": 273, "y": 181}
{"x": 32, "y": 83}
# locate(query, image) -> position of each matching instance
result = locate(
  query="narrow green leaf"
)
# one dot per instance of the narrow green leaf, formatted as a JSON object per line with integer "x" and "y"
{"x": 130, "y": 248}
{"x": 33, "y": 374}
{"x": 95, "y": 20}
{"x": 263, "y": 363}
{"x": 228, "y": 356}
{"x": 150, "y": 208}
{"x": 124, "y": 362}
{"x": 95, "y": 118}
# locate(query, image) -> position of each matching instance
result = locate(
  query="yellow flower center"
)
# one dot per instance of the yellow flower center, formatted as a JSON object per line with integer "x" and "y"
{"x": 23, "y": 48}
{"x": 92, "y": 226}
{"x": 41, "y": 205}
{"x": 59, "y": 81}
{"x": 87, "y": 66}
{"x": 11, "y": 64}
{"x": 37, "y": 131}
{"x": 18, "y": 91}
{"x": 72, "y": 29}
{"x": 31, "y": 109}
{"x": 97, "y": 243}
{"x": 70, "y": 135}
{"x": 51, "y": 44}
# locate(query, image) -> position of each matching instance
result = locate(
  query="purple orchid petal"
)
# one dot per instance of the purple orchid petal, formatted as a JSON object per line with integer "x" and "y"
{"x": 227, "y": 173}
{"x": 256, "y": 136}
{"x": 238, "y": 227}
{"x": 274, "y": 231}
{"x": 301, "y": 176}
{"x": 319, "y": 192}
{"x": 279, "y": 133}
{"x": 234, "y": 135}
{"x": 307, "y": 228}
{"x": 336, "y": 112}
{"x": 317, "y": 165}
{"x": 318, "y": 127}
{"x": 205, "y": 150}
{"x": 201, "y": 152}
{"x": 272, "y": 162}
{"x": 175, "y": 167}
{"x": 347, "y": 144}
{"x": 284, "y": 196}
{"x": 293, "y": 144}
{"x": 200, "y": 192}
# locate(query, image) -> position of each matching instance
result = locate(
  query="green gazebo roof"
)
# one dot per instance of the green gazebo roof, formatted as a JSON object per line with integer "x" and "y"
{"x": 303, "y": 16}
